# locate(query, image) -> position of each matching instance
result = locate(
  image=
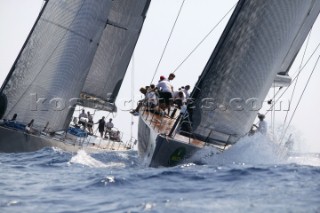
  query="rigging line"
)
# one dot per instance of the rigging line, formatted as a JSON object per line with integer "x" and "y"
{"x": 300, "y": 69}
{"x": 295, "y": 84}
{"x": 132, "y": 81}
{"x": 304, "y": 89}
{"x": 294, "y": 79}
{"x": 165, "y": 48}
{"x": 108, "y": 115}
{"x": 132, "y": 89}
{"x": 307, "y": 44}
{"x": 274, "y": 116}
{"x": 197, "y": 46}
{"x": 274, "y": 96}
{"x": 132, "y": 93}
{"x": 270, "y": 108}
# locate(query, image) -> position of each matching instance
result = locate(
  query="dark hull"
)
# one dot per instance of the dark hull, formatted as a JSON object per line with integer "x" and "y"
{"x": 16, "y": 141}
{"x": 13, "y": 141}
{"x": 158, "y": 150}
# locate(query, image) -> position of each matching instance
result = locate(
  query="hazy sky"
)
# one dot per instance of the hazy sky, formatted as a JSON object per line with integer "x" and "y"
{"x": 197, "y": 18}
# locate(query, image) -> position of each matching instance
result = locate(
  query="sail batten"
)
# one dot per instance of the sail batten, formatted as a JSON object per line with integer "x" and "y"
{"x": 261, "y": 39}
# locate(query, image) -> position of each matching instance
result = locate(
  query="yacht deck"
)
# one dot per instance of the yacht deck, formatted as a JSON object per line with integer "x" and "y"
{"x": 163, "y": 124}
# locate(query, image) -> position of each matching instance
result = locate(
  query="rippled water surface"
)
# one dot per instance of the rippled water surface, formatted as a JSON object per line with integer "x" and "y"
{"x": 250, "y": 177}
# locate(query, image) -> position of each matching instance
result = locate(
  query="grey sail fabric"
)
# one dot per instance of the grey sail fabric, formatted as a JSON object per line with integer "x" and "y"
{"x": 261, "y": 39}
{"x": 115, "y": 50}
{"x": 50, "y": 71}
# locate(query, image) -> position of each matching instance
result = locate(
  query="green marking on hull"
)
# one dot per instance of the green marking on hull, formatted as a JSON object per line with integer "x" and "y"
{"x": 177, "y": 156}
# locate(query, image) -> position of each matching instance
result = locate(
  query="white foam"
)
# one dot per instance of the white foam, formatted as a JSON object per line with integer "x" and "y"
{"x": 83, "y": 158}
{"x": 305, "y": 159}
{"x": 123, "y": 155}
{"x": 256, "y": 149}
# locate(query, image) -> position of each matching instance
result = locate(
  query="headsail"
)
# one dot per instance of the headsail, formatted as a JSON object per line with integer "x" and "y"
{"x": 52, "y": 67}
{"x": 114, "y": 53}
{"x": 261, "y": 39}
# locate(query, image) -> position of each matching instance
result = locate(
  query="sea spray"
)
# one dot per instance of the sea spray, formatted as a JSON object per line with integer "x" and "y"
{"x": 83, "y": 158}
{"x": 256, "y": 149}
{"x": 309, "y": 159}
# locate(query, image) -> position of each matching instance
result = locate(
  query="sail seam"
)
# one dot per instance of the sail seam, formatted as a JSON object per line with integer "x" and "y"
{"x": 114, "y": 24}
{"x": 67, "y": 29}
{"x": 36, "y": 76}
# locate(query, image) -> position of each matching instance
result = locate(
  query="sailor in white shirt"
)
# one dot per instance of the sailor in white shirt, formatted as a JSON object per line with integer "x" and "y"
{"x": 179, "y": 98}
{"x": 152, "y": 99}
{"x": 164, "y": 86}
{"x": 83, "y": 115}
{"x": 83, "y": 119}
{"x": 109, "y": 127}
{"x": 165, "y": 92}
{"x": 262, "y": 126}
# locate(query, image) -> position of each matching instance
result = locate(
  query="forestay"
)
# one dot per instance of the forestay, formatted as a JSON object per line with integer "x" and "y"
{"x": 261, "y": 39}
{"x": 114, "y": 52}
{"x": 51, "y": 69}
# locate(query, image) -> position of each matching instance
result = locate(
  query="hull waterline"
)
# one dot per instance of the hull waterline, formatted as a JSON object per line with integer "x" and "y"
{"x": 160, "y": 150}
{"x": 14, "y": 141}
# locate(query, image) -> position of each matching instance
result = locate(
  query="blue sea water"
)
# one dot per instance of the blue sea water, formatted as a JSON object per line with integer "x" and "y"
{"x": 250, "y": 177}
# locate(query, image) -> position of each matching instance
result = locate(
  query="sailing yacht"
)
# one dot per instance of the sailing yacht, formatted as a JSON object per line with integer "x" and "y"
{"x": 76, "y": 54}
{"x": 254, "y": 53}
